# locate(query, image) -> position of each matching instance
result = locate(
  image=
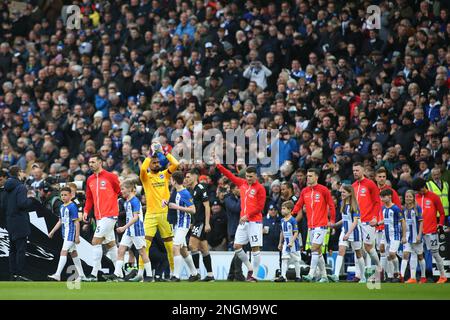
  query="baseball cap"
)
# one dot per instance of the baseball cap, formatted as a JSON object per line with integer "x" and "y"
{"x": 215, "y": 203}
{"x": 208, "y": 45}
{"x": 273, "y": 207}
{"x": 336, "y": 145}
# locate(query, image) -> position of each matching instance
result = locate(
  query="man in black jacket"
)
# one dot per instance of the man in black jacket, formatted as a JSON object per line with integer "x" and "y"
{"x": 16, "y": 208}
{"x": 3, "y": 178}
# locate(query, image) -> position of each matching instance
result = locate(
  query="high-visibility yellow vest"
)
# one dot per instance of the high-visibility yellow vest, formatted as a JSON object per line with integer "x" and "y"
{"x": 443, "y": 194}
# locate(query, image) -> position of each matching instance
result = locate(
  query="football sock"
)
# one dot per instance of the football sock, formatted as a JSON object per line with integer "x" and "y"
{"x": 322, "y": 267}
{"x": 423, "y": 266}
{"x": 374, "y": 256}
{"x": 357, "y": 271}
{"x": 314, "y": 262}
{"x": 98, "y": 252}
{"x": 196, "y": 258}
{"x": 297, "y": 268}
{"x": 178, "y": 260}
{"x": 338, "y": 266}
{"x": 78, "y": 266}
{"x": 404, "y": 265}
{"x": 148, "y": 269}
{"x": 208, "y": 265}
{"x": 256, "y": 260}
{"x": 383, "y": 260}
{"x": 284, "y": 266}
{"x": 118, "y": 270}
{"x": 396, "y": 265}
{"x": 169, "y": 248}
{"x": 439, "y": 262}
{"x": 244, "y": 258}
{"x": 390, "y": 269}
{"x": 112, "y": 252}
{"x": 413, "y": 265}
{"x": 360, "y": 268}
{"x": 61, "y": 264}
{"x": 190, "y": 263}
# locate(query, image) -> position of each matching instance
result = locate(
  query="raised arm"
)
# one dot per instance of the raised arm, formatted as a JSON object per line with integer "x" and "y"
{"x": 237, "y": 181}
{"x": 144, "y": 169}
{"x": 173, "y": 163}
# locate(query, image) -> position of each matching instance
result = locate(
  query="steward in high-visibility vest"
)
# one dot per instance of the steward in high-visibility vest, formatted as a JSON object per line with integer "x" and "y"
{"x": 440, "y": 188}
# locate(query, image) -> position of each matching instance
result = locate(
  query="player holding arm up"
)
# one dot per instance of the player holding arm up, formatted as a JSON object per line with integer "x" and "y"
{"x": 185, "y": 208}
{"x": 317, "y": 200}
{"x": 156, "y": 188}
{"x": 350, "y": 232}
{"x": 414, "y": 247}
{"x": 68, "y": 219}
{"x": 253, "y": 199}
{"x": 290, "y": 242}
{"x": 134, "y": 232}
{"x": 395, "y": 232}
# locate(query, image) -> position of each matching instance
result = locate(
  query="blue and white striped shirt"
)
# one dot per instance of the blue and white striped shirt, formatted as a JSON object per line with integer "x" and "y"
{"x": 183, "y": 198}
{"x": 68, "y": 214}
{"x": 131, "y": 207}
{"x": 413, "y": 220}
{"x": 348, "y": 217}
{"x": 288, "y": 228}
{"x": 392, "y": 223}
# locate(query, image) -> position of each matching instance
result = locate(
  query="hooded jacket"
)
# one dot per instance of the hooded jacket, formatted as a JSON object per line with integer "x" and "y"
{"x": 16, "y": 208}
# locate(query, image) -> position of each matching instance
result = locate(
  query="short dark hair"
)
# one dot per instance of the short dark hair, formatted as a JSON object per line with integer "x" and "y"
{"x": 315, "y": 171}
{"x": 97, "y": 155}
{"x": 358, "y": 164}
{"x": 3, "y": 173}
{"x": 381, "y": 170}
{"x": 250, "y": 170}
{"x": 386, "y": 192}
{"x": 418, "y": 184}
{"x": 66, "y": 189}
{"x": 288, "y": 184}
{"x": 178, "y": 176}
{"x": 14, "y": 171}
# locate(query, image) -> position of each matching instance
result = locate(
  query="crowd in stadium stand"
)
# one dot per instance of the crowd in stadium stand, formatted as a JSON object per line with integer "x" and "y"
{"x": 338, "y": 91}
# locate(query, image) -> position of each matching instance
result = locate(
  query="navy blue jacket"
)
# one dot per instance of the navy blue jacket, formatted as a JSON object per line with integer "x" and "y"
{"x": 233, "y": 210}
{"x": 16, "y": 207}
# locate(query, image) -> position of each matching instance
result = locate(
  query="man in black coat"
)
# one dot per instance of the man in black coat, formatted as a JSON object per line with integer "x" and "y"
{"x": 16, "y": 207}
{"x": 3, "y": 178}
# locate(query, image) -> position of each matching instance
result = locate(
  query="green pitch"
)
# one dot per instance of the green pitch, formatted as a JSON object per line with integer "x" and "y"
{"x": 219, "y": 290}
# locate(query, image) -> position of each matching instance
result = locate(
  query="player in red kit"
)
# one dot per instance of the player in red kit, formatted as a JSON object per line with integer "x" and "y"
{"x": 431, "y": 204}
{"x": 369, "y": 202}
{"x": 318, "y": 203}
{"x": 253, "y": 199}
{"x": 381, "y": 177}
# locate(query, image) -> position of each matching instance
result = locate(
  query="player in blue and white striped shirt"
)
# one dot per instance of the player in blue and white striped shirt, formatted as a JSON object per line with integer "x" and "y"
{"x": 290, "y": 242}
{"x": 414, "y": 247}
{"x": 185, "y": 207}
{"x": 134, "y": 232}
{"x": 68, "y": 219}
{"x": 350, "y": 232}
{"x": 395, "y": 231}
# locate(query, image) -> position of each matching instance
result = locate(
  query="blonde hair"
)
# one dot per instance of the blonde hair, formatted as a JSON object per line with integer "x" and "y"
{"x": 351, "y": 200}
